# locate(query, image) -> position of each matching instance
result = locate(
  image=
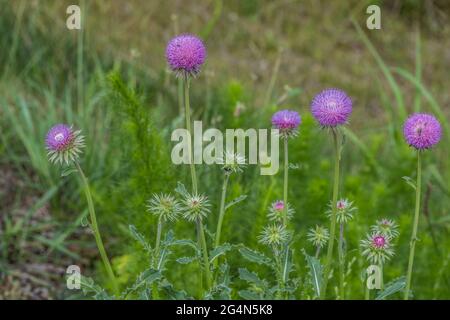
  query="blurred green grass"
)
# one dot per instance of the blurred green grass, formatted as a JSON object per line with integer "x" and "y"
{"x": 262, "y": 55}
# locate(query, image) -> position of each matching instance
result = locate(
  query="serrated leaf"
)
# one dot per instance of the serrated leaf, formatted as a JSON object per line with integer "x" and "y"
{"x": 173, "y": 294}
{"x": 315, "y": 272}
{"x": 220, "y": 250}
{"x": 391, "y": 288}
{"x": 249, "y": 295}
{"x": 68, "y": 171}
{"x": 235, "y": 201}
{"x": 186, "y": 260}
{"x": 88, "y": 286}
{"x": 410, "y": 181}
{"x": 139, "y": 237}
{"x": 146, "y": 278}
{"x": 181, "y": 190}
{"x": 251, "y": 277}
{"x": 254, "y": 256}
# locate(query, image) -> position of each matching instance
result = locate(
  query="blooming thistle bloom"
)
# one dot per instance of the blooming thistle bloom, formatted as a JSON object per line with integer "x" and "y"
{"x": 232, "y": 162}
{"x": 195, "y": 207}
{"x": 185, "y": 54}
{"x": 377, "y": 248}
{"x": 63, "y": 144}
{"x": 287, "y": 122}
{"x": 344, "y": 212}
{"x": 386, "y": 227}
{"x": 274, "y": 235}
{"x": 276, "y": 211}
{"x": 318, "y": 236}
{"x": 331, "y": 107}
{"x": 422, "y": 131}
{"x": 164, "y": 206}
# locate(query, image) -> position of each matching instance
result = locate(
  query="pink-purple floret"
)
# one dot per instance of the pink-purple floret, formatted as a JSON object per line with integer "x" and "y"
{"x": 59, "y": 137}
{"x": 422, "y": 131}
{"x": 186, "y": 53}
{"x": 379, "y": 241}
{"x": 331, "y": 107}
{"x": 286, "y": 120}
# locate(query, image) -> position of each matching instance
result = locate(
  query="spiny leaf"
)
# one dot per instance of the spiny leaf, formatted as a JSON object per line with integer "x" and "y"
{"x": 392, "y": 287}
{"x": 254, "y": 256}
{"x": 139, "y": 237}
{"x": 252, "y": 278}
{"x": 235, "y": 201}
{"x": 249, "y": 295}
{"x": 315, "y": 271}
{"x": 410, "y": 181}
{"x": 89, "y": 287}
{"x": 220, "y": 250}
{"x": 147, "y": 277}
{"x": 186, "y": 260}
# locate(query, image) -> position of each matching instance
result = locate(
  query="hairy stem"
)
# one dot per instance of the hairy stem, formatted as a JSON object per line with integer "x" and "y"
{"x": 188, "y": 127}
{"x": 98, "y": 238}
{"x": 221, "y": 215}
{"x": 285, "y": 185}
{"x": 341, "y": 262}
{"x": 201, "y": 233}
{"x": 329, "y": 258}
{"x": 412, "y": 244}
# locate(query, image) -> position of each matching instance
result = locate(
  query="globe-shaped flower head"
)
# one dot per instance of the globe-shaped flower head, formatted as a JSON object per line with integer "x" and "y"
{"x": 422, "y": 131}
{"x": 377, "y": 248}
{"x": 185, "y": 54}
{"x": 331, "y": 107}
{"x": 63, "y": 144}
{"x": 287, "y": 122}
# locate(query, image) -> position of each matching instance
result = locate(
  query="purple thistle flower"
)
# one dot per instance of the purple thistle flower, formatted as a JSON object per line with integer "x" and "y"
{"x": 287, "y": 122}
{"x": 185, "y": 54}
{"x": 422, "y": 131}
{"x": 331, "y": 107}
{"x": 63, "y": 143}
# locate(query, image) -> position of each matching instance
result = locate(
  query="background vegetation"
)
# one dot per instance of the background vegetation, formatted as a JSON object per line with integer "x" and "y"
{"x": 111, "y": 81}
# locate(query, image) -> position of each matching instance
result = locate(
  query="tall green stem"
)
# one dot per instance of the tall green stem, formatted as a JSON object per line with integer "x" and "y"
{"x": 341, "y": 262}
{"x": 285, "y": 185}
{"x": 201, "y": 232}
{"x": 98, "y": 238}
{"x": 329, "y": 259}
{"x": 188, "y": 127}
{"x": 381, "y": 276}
{"x": 412, "y": 244}
{"x": 221, "y": 214}
{"x": 156, "y": 256}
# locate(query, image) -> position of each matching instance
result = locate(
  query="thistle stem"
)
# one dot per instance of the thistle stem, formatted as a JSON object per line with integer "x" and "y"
{"x": 188, "y": 127}
{"x": 329, "y": 258}
{"x": 412, "y": 244}
{"x": 285, "y": 186}
{"x": 341, "y": 262}
{"x": 221, "y": 214}
{"x": 380, "y": 265}
{"x": 201, "y": 232}
{"x": 98, "y": 238}
{"x": 156, "y": 256}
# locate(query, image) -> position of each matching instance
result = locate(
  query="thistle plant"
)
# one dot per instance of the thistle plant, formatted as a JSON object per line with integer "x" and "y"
{"x": 386, "y": 227}
{"x": 344, "y": 213}
{"x": 332, "y": 108}
{"x": 195, "y": 208}
{"x": 287, "y": 122}
{"x": 231, "y": 163}
{"x": 318, "y": 236}
{"x": 421, "y": 131}
{"x": 64, "y": 146}
{"x": 185, "y": 55}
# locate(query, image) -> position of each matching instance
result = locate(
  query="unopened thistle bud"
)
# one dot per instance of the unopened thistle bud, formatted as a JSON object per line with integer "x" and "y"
{"x": 276, "y": 211}
{"x": 318, "y": 236}
{"x": 386, "y": 227}
{"x": 377, "y": 248}
{"x": 63, "y": 144}
{"x": 232, "y": 162}
{"x": 164, "y": 206}
{"x": 195, "y": 207}
{"x": 344, "y": 210}
{"x": 274, "y": 235}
